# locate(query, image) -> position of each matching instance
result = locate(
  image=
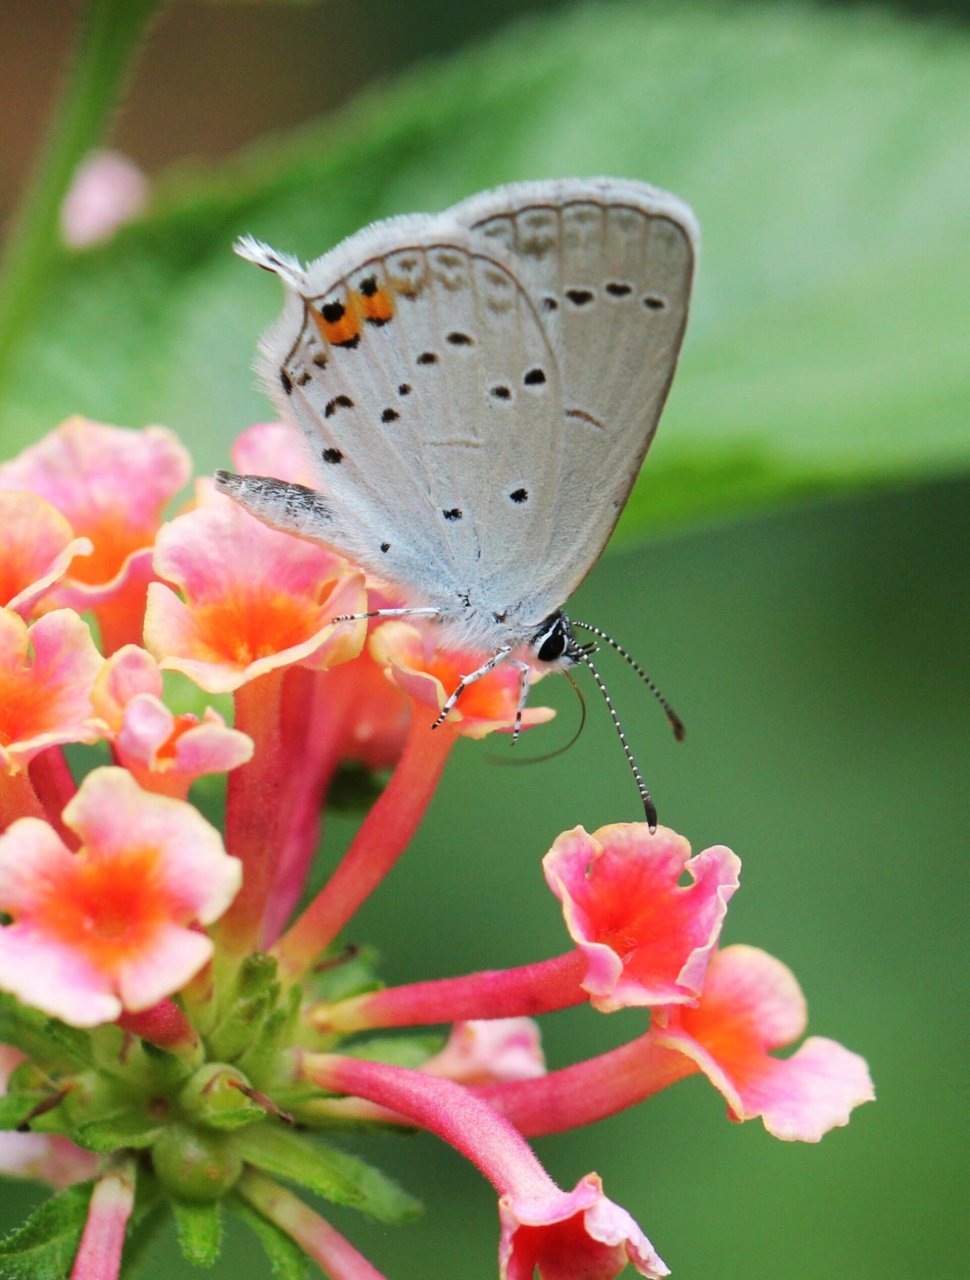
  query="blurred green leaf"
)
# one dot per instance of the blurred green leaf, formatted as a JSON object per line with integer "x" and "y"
{"x": 43, "y": 1247}
{"x": 824, "y": 152}
{"x": 286, "y": 1259}
{"x": 335, "y": 1175}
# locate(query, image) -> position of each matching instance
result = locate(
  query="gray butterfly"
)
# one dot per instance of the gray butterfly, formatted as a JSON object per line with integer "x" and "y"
{"x": 478, "y": 389}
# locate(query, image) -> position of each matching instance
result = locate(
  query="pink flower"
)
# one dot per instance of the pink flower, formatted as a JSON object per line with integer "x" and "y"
{"x": 565, "y": 1235}
{"x": 647, "y": 938}
{"x": 751, "y": 1005}
{"x": 112, "y": 485}
{"x": 165, "y": 752}
{"x": 37, "y": 545}
{"x": 110, "y": 927}
{"x": 577, "y": 1235}
{"x": 99, "y": 1253}
{"x": 108, "y": 190}
{"x": 47, "y": 671}
{"x": 428, "y": 674}
{"x": 489, "y": 1052}
{"x": 255, "y": 600}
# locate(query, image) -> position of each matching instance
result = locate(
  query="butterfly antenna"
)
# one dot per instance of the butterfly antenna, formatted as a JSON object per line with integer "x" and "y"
{"x": 649, "y": 808}
{"x": 674, "y": 719}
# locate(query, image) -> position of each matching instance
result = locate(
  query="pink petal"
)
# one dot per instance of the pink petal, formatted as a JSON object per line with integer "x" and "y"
{"x": 752, "y": 1004}
{"x": 110, "y": 811}
{"x": 46, "y": 676}
{"x": 577, "y": 1235}
{"x": 175, "y": 955}
{"x": 647, "y": 938}
{"x": 481, "y": 1052}
{"x": 54, "y": 978}
{"x": 37, "y": 546}
{"x": 802, "y": 1097}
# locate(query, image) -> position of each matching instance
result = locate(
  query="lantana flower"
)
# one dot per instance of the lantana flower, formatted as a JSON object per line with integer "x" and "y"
{"x": 163, "y": 751}
{"x": 110, "y": 926}
{"x": 112, "y": 485}
{"x": 751, "y": 1006}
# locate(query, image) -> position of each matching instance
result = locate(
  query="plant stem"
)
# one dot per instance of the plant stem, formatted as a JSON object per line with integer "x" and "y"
{"x": 109, "y": 34}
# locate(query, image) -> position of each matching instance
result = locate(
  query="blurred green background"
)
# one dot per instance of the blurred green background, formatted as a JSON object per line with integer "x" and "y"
{"x": 793, "y": 568}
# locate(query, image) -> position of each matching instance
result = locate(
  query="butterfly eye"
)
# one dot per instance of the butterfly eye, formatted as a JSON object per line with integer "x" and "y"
{"x": 552, "y": 640}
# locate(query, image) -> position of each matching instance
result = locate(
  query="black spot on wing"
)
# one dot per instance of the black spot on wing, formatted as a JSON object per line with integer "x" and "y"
{"x": 338, "y": 402}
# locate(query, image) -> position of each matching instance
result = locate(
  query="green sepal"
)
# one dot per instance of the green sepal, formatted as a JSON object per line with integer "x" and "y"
{"x": 279, "y": 1032}
{"x": 286, "y": 1259}
{"x": 16, "y": 1107}
{"x": 125, "y": 1128}
{"x": 199, "y": 1228}
{"x": 353, "y": 975}
{"x": 43, "y": 1247}
{"x": 396, "y": 1051}
{"x": 333, "y": 1174}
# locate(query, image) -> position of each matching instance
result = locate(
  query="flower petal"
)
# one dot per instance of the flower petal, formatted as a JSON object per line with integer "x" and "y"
{"x": 647, "y": 938}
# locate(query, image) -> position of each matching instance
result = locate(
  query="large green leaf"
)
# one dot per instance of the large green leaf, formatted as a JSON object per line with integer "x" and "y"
{"x": 824, "y": 152}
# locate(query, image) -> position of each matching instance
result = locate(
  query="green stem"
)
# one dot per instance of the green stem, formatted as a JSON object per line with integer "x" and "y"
{"x": 109, "y": 34}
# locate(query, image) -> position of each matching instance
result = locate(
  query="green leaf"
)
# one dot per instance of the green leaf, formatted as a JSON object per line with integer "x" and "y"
{"x": 824, "y": 152}
{"x": 287, "y": 1261}
{"x": 333, "y": 1174}
{"x": 199, "y": 1232}
{"x": 43, "y": 1247}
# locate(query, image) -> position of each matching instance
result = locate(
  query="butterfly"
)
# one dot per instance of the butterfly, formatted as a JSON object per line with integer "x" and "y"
{"x": 478, "y": 389}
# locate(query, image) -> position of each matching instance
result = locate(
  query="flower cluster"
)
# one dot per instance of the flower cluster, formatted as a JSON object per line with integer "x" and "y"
{"x": 174, "y": 1026}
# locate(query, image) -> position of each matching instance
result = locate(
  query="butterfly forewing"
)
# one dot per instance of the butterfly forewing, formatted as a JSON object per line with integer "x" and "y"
{"x": 427, "y": 389}
{"x": 608, "y": 265}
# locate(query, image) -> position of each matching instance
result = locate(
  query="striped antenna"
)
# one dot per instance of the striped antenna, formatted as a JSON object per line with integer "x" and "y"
{"x": 582, "y": 654}
{"x": 675, "y": 721}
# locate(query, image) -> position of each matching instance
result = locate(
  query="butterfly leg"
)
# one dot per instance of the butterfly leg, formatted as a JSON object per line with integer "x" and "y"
{"x": 499, "y": 656}
{"x": 525, "y": 676}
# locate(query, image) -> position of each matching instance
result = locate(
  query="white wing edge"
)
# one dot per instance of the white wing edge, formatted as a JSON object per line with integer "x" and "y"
{"x": 516, "y": 195}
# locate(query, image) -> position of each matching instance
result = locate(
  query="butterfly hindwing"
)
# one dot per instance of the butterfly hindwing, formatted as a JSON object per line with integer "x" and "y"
{"x": 608, "y": 264}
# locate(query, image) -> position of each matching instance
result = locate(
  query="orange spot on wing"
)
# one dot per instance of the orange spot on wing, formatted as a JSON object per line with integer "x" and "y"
{"x": 344, "y": 329}
{"x": 377, "y": 306}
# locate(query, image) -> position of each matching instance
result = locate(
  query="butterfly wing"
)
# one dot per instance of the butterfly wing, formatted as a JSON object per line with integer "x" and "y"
{"x": 608, "y": 265}
{"x": 426, "y": 388}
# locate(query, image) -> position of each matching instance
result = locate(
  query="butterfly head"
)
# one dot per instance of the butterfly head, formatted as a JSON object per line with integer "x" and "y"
{"x": 554, "y": 645}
